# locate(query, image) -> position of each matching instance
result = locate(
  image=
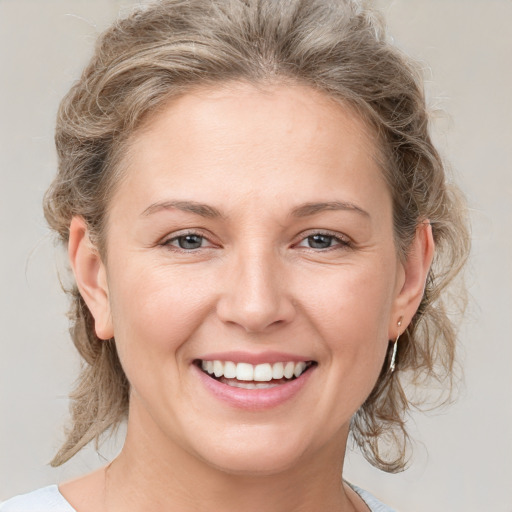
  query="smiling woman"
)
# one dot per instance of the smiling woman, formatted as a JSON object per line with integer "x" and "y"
{"x": 260, "y": 230}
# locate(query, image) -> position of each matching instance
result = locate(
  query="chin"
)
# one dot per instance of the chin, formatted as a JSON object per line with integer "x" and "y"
{"x": 254, "y": 456}
{"x": 248, "y": 465}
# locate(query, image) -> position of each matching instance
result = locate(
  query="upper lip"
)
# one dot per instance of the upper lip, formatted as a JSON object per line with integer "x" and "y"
{"x": 253, "y": 358}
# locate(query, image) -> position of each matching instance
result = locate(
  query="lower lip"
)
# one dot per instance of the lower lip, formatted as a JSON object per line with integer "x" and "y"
{"x": 254, "y": 399}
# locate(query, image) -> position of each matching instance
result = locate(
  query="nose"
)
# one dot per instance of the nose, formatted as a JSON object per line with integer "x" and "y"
{"x": 255, "y": 293}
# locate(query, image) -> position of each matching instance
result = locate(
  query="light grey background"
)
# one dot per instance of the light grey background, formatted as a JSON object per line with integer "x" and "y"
{"x": 463, "y": 457}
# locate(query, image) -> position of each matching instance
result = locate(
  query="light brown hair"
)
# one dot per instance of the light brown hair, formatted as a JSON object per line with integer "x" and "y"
{"x": 338, "y": 47}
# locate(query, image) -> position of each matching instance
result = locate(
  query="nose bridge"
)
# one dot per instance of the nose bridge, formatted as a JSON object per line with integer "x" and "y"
{"x": 256, "y": 295}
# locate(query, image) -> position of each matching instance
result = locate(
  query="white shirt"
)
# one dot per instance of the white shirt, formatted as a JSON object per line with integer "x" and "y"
{"x": 49, "y": 499}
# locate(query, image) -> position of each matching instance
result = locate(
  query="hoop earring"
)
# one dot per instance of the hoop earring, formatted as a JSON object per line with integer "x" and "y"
{"x": 392, "y": 364}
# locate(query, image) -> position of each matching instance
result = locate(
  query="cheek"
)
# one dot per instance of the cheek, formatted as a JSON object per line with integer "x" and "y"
{"x": 351, "y": 310}
{"x": 359, "y": 299}
{"x": 154, "y": 312}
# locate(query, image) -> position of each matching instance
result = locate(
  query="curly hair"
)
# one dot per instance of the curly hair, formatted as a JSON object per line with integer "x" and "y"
{"x": 338, "y": 47}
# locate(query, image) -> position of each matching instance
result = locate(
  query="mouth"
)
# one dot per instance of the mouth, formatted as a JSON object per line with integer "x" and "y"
{"x": 249, "y": 376}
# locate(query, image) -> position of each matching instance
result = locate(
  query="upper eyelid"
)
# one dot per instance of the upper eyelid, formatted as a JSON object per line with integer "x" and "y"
{"x": 339, "y": 236}
{"x": 167, "y": 243}
{"x": 299, "y": 238}
{"x": 193, "y": 231}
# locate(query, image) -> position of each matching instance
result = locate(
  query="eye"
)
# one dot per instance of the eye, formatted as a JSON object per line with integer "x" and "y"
{"x": 188, "y": 241}
{"x": 322, "y": 241}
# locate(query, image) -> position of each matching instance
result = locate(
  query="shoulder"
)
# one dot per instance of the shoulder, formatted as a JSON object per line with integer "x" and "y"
{"x": 47, "y": 499}
{"x": 371, "y": 501}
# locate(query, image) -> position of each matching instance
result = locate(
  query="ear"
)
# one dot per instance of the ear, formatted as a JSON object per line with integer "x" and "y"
{"x": 90, "y": 276}
{"x": 411, "y": 286}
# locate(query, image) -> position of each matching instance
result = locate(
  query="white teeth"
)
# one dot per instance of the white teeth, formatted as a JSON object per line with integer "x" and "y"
{"x": 248, "y": 373}
{"x": 250, "y": 385}
{"x": 299, "y": 368}
{"x": 244, "y": 371}
{"x": 207, "y": 366}
{"x": 278, "y": 371}
{"x": 289, "y": 369}
{"x": 229, "y": 370}
{"x": 263, "y": 372}
{"x": 218, "y": 369}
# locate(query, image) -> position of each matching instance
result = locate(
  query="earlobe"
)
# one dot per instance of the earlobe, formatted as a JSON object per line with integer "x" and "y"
{"x": 416, "y": 268}
{"x": 90, "y": 276}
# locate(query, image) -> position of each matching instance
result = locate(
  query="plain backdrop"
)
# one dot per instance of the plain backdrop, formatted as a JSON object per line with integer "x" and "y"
{"x": 462, "y": 458}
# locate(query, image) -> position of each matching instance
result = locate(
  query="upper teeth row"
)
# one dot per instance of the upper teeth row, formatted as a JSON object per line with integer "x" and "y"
{"x": 260, "y": 372}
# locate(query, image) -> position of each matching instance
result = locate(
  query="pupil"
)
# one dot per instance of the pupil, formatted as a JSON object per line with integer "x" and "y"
{"x": 320, "y": 241}
{"x": 190, "y": 241}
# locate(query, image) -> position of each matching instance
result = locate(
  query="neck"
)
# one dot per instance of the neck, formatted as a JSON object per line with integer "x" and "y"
{"x": 153, "y": 473}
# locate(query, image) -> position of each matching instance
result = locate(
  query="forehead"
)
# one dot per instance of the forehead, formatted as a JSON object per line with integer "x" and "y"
{"x": 258, "y": 139}
{"x": 291, "y": 109}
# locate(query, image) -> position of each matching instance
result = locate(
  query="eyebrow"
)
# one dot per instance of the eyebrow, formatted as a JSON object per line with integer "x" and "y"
{"x": 201, "y": 209}
{"x": 211, "y": 212}
{"x": 308, "y": 209}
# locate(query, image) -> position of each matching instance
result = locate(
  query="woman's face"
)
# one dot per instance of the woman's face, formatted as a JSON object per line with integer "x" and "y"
{"x": 253, "y": 228}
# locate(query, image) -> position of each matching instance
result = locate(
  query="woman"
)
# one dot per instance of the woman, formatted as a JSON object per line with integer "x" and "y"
{"x": 260, "y": 230}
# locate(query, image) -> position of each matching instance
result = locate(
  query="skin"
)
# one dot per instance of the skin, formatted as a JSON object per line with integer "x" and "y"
{"x": 255, "y": 155}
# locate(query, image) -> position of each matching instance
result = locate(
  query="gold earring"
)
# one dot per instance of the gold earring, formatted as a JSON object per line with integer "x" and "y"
{"x": 392, "y": 364}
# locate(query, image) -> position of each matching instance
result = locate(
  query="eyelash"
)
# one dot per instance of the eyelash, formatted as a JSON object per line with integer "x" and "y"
{"x": 340, "y": 242}
{"x": 168, "y": 242}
